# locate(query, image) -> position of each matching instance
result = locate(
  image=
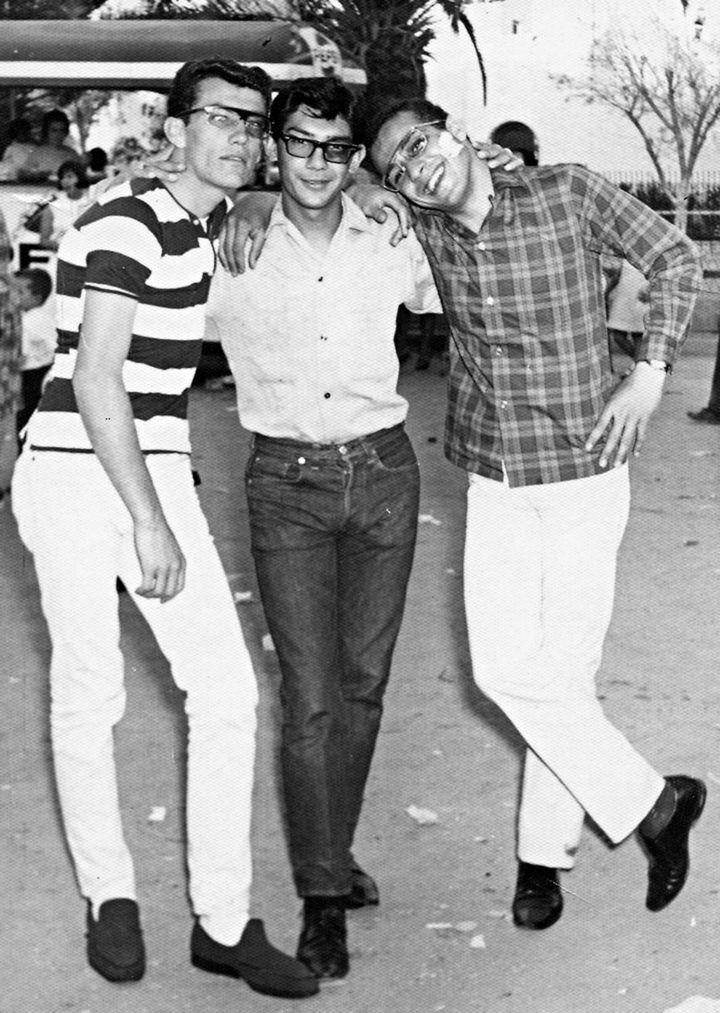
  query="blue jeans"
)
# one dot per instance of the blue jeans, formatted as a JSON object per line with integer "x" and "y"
{"x": 333, "y": 535}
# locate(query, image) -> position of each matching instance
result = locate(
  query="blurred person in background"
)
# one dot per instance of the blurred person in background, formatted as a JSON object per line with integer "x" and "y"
{"x": 21, "y": 145}
{"x": 47, "y": 157}
{"x": 68, "y": 204}
{"x": 10, "y": 356}
{"x": 33, "y": 286}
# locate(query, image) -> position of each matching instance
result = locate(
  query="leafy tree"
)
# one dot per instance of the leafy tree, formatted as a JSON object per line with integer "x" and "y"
{"x": 34, "y": 10}
{"x": 668, "y": 86}
{"x": 389, "y": 39}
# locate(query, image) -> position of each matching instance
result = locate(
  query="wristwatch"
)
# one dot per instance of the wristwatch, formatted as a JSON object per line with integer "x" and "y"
{"x": 658, "y": 364}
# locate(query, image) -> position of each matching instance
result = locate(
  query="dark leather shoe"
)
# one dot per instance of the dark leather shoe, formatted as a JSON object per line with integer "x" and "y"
{"x": 115, "y": 947}
{"x": 255, "y": 960}
{"x": 323, "y": 941}
{"x": 363, "y": 890}
{"x": 538, "y": 901}
{"x": 706, "y": 415}
{"x": 668, "y": 851}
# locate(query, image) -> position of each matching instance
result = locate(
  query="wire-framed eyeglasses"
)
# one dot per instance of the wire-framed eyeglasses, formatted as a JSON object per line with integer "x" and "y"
{"x": 339, "y": 152}
{"x": 411, "y": 146}
{"x": 229, "y": 118}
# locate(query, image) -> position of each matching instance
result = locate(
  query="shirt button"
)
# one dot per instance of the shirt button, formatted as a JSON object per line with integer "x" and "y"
{"x": 326, "y": 395}
{"x": 342, "y": 448}
{"x": 301, "y": 460}
{"x": 490, "y": 301}
{"x": 323, "y": 337}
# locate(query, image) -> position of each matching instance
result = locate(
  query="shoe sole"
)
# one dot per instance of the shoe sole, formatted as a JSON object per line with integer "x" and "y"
{"x": 111, "y": 972}
{"x": 205, "y": 964}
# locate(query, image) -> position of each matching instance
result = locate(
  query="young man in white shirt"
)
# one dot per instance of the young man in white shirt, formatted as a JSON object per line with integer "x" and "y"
{"x": 332, "y": 484}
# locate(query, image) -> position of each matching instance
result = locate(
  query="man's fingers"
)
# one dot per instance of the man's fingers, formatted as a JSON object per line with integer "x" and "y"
{"x": 257, "y": 241}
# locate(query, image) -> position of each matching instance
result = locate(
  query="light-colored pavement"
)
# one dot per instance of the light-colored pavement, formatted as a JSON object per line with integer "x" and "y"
{"x": 442, "y": 748}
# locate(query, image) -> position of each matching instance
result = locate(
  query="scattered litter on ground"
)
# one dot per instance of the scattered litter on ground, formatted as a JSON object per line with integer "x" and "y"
{"x": 465, "y": 926}
{"x": 696, "y": 1004}
{"x": 267, "y": 642}
{"x": 702, "y": 453}
{"x": 428, "y": 519}
{"x": 157, "y": 814}
{"x": 425, "y": 817}
{"x": 691, "y": 541}
{"x": 241, "y": 597}
{"x": 220, "y": 488}
{"x": 439, "y": 926}
{"x": 450, "y": 570}
{"x": 478, "y": 943}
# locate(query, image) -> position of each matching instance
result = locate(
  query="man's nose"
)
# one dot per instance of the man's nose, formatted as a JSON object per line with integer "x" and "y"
{"x": 317, "y": 158}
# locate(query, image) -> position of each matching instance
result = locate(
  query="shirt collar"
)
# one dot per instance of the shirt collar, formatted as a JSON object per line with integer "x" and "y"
{"x": 353, "y": 218}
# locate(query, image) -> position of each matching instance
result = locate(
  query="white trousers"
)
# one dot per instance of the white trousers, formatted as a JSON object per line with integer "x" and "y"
{"x": 539, "y": 585}
{"x": 81, "y": 536}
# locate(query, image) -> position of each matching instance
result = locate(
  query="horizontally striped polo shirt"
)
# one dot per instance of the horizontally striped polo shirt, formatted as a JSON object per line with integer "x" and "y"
{"x": 138, "y": 241}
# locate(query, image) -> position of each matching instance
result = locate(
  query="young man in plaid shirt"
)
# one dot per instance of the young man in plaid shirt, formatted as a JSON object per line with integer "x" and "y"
{"x": 544, "y": 430}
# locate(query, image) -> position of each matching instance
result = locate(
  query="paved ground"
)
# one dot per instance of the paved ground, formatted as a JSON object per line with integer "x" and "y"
{"x": 442, "y": 748}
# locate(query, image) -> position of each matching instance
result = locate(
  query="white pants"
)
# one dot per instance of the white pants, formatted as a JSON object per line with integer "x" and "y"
{"x": 81, "y": 536}
{"x": 539, "y": 587}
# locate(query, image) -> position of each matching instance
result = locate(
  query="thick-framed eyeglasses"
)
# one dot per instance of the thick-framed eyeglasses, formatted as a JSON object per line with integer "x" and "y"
{"x": 229, "y": 118}
{"x": 333, "y": 151}
{"x": 411, "y": 146}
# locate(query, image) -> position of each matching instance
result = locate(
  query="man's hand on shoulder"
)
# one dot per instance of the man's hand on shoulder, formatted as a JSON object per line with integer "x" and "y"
{"x": 378, "y": 203}
{"x": 627, "y": 413}
{"x": 247, "y": 221}
{"x": 497, "y": 157}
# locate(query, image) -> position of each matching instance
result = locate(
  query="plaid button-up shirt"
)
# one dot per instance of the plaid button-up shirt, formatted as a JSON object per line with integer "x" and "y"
{"x": 530, "y": 363}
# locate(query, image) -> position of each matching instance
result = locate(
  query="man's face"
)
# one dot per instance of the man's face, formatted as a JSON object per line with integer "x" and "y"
{"x": 219, "y": 154}
{"x": 310, "y": 180}
{"x": 56, "y": 134}
{"x": 426, "y": 163}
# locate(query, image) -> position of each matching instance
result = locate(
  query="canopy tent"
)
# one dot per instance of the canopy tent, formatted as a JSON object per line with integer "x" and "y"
{"x": 147, "y": 53}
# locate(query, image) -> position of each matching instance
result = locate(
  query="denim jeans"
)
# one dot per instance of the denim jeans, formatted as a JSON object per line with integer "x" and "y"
{"x": 333, "y": 535}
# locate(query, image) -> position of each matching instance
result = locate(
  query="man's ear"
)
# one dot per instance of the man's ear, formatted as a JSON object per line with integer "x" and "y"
{"x": 356, "y": 160}
{"x": 174, "y": 129}
{"x": 456, "y": 127}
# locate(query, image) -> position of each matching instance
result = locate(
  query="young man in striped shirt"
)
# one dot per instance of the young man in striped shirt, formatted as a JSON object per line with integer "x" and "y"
{"x": 104, "y": 489}
{"x": 544, "y": 429}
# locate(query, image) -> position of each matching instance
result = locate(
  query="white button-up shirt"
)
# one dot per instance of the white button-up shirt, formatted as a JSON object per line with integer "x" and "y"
{"x": 310, "y": 337}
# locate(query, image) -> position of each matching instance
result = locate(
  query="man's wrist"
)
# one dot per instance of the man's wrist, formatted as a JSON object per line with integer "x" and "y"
{"x": 659, "y": 365}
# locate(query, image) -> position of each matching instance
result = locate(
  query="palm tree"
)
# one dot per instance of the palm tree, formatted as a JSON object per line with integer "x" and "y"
{"x": 389, "y": 39}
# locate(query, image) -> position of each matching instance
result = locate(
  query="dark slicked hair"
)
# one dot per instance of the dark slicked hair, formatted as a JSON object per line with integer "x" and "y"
{"x": 183, "y": 94}
{"x": 327, "y": 97}
{"x": 423, "y": 110}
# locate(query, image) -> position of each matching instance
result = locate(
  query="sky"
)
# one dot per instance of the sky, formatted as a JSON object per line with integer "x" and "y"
{"x": 552, "y": 36}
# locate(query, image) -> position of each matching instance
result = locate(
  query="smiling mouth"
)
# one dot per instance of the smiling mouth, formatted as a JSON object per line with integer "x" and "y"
{"x": 434, "y": 180}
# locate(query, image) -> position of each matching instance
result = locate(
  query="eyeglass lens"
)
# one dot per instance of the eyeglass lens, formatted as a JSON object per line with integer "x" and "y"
{"x": 304, "y": 147}
{"x": 412, "y": 145}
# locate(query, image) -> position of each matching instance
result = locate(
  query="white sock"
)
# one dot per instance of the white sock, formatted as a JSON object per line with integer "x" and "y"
{"x": 224, "y": 929}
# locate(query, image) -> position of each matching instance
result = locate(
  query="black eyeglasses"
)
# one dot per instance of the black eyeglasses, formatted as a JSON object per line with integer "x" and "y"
{"x": 333, "y": 151}
{"x": 229, "y": 118}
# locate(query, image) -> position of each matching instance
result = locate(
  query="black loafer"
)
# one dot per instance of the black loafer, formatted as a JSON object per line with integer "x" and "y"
{"x": 363, "y": 890}
{"x": 255, "y": 960}
{"x": 668, "y": 851}
{"x": 323, "y": 941}
{"x": 538, "y": 900}
{"x": 115, "y": 947}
